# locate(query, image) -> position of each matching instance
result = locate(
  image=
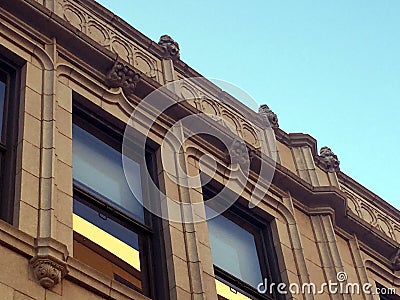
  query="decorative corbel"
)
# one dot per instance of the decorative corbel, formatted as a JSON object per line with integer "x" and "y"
{"x": 271, "y": 119}
{"x": 170, "y": 47}
{"x": 329, "y": 160}
{"x": 49, "y": 264}
{"x": 122, "y": 75}
{"x": 48, "y": 270}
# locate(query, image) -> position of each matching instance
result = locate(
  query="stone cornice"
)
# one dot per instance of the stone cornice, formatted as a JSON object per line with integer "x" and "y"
{"x": 373, "y": 200}
{"x": 123, "y": 27}
{"x": 69, "y": 39}
{"x": 367, "y": 194}
{"x": 334, "y": 198}
{"x": 50, "y": 25}
{"x": 296, "y": 140}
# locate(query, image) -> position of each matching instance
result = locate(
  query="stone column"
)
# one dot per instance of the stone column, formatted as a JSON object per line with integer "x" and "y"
{"x": 48, "y": 265}
{"x": 190, "y": 266}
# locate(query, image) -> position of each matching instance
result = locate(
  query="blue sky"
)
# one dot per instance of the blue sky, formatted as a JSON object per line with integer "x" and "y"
{"x": 327, "y": 68}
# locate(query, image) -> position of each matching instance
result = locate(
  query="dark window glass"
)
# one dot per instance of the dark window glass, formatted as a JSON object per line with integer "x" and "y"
{"x": 234, "y": 250}
{"x": 3, "y": 81}
{"x": 98, "y": 167}
{"x": 9, "y": 76}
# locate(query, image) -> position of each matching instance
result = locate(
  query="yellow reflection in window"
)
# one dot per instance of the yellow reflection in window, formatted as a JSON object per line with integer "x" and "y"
{"x": 229, "y": 293}
{"x": 107, "y": 241}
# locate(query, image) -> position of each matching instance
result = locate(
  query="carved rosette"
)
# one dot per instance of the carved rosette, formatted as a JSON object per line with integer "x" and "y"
{"x": 48, "y": 271}
{"x": 122, "y": 75}
{"x": 170, "y": 47}
{"x": 269, "y": 116}
{"x": 329, "y": 160}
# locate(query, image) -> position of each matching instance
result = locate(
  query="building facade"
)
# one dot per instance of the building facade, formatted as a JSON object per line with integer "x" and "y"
{"x": 77, "y": 222}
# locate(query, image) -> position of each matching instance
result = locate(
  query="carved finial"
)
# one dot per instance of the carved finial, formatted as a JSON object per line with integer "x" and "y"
{"x": 123, "y": 76}
{"x": 396, "y": 260}
{"x": 48, "y": 271}
{"x": 329, "y": 159}
{"x": 170, "y": 47}
{"x": 269, "y": 115}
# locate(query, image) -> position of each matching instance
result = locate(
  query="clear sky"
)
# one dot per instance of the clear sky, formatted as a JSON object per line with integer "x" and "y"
{"x": 327, "y": 68}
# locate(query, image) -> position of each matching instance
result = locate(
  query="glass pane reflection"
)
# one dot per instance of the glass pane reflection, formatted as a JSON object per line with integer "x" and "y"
{"x": 98, "y": 167}
{"x": 2, "y": 100}
{"x": 234, "y": 249}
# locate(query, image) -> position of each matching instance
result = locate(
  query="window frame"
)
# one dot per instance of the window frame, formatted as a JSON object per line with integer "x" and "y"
{"x": 151, "y": 252}
{"x": 11, "y": 66}
{"x": 262, "y": 232}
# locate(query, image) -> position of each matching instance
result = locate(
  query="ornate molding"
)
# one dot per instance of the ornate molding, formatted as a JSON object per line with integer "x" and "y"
{"x": 271, "y": 119}
{"x": 228, "y": 118}
{"x": 119, "y": 38}
{"x": 329, "y": 160}
{"x": 48, "y": 271}
{"x": 122, "y": 75}
{"x": 373, "y": 215}
{"x": 170, "y": 47}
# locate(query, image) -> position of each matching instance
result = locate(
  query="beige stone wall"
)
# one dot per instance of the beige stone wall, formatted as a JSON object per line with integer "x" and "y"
{"x": 309, "y": 244}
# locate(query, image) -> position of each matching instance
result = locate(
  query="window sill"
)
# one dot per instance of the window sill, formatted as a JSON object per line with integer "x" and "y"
{"x": 99, "y": 283}
{"x": 14, "y": 239}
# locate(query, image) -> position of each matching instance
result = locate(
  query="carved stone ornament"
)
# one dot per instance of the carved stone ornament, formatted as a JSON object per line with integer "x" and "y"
{"x": 170, "y": 47}
{"x": 396, "y": 261}
{"x": 269, "y": 115}
{"x": 239, "y": 153}
{"x": 122, "y": 75}
{"x": 48, "y": 271}
{"x": 329, "y": 160}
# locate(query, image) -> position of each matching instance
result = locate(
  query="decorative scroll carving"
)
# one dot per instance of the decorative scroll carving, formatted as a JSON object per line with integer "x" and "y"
{"x": 329, "y": 159}
{"x": 123, "y": 76}
{"x": 48, "y": 271}
{"x": 269, "y": 116}
{"x": 170, "y": 47}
